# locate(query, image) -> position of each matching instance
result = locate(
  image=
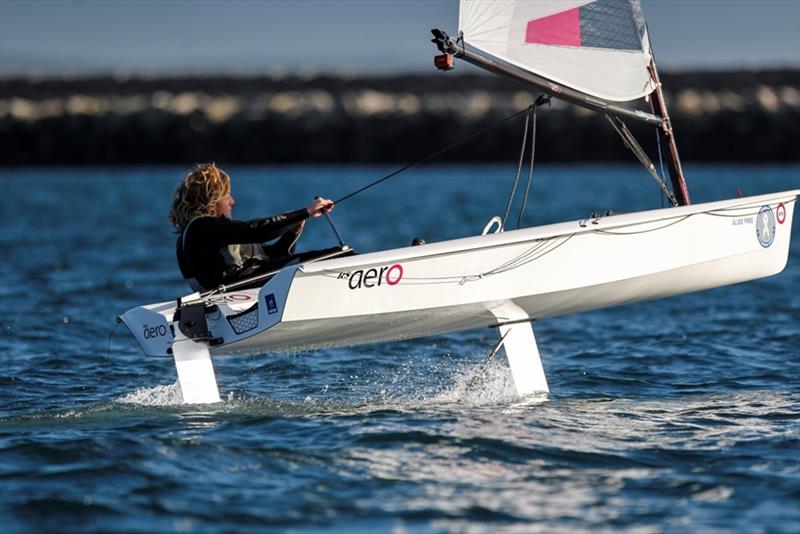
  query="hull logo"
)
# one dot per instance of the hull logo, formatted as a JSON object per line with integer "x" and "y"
{"x": 272, "y": 306}
{"x": 152, "y": 332}
{"x": 765, "y": 226}
{"x": 367, "y": 278}
{"x": 780, "y": 213}
{"x": 234, "y": 297}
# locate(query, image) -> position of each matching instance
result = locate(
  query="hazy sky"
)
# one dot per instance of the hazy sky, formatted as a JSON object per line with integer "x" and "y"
{"x": 178, "y": 36}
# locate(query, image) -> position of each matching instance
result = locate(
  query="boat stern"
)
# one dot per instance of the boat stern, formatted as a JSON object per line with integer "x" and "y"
{"x": 151, "y": 328}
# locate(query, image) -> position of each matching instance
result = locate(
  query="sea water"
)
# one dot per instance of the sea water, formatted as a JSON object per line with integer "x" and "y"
{"x": 673, "y": 415}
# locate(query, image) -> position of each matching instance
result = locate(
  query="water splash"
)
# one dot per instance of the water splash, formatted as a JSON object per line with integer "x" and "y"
{"x": 429, "y": 382}
{"x": 479, "y": 384}
{"x": 163, "y": 395}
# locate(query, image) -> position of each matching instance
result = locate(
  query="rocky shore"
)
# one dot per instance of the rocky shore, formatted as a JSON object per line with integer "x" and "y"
{"x": 718, "y": 116}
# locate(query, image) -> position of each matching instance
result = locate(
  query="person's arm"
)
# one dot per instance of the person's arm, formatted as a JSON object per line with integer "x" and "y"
{"x": 220, "y": 231}
{"x": 228, "y": 232}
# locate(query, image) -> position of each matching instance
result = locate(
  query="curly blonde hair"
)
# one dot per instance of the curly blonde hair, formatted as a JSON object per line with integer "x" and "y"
{"x": 198, "y": 193}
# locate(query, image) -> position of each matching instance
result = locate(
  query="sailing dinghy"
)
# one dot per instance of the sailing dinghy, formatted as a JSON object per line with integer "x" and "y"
{"x": 595, "y": 54}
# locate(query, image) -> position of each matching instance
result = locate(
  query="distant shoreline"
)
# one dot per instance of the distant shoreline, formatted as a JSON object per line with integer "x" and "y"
{"x": 720, "y": 116}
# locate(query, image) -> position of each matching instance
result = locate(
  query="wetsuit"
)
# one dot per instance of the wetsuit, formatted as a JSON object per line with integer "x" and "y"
{"x": 217, "y": 250}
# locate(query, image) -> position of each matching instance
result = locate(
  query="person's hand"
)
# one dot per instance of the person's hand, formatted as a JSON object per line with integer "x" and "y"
{"x": 319, "y": 206}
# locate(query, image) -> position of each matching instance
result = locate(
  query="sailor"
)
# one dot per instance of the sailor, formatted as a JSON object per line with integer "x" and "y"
{"x": 212, "y": 247}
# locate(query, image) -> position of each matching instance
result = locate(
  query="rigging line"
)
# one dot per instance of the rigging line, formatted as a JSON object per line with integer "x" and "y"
{"x": 518, "y": 265}
{"x": 645, "y": 160}
{"x": 609, "y": 232}
{"x": 511, "y": 262}
{"x": 529, "y": 259}
{"x": 747, "y": 203}
{"x": 520, "y": 261}
{"x": 435, "y": 154}
{"x": 530, "y": 170}
{"x": 735, "y": 216}
{"x": 514, "y": 263}
{"x": 519, "y": 171}
{"x": 108, "y": 345}
{"x": 534, "y": 253}
{"x": 485, "y": 363}
{"x": 660, "y": 161}
{"x": 525, "y": 255}
{"x": 630, "y": 141}
{"x": 336, "y": 273}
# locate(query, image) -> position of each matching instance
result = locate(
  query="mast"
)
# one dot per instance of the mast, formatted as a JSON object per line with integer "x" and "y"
{"x": 498, "y": 66}
{"x": 659, "y": 106}
{"x": 592, "y": 53}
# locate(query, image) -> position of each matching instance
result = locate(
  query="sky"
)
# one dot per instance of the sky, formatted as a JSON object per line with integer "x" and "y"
{"x": 73, "y": 37}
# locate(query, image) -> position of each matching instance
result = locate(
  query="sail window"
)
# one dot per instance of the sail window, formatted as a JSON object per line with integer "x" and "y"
{"x": 608, "y": 24}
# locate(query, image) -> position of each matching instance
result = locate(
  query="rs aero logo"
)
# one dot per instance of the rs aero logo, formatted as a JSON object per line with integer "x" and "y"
{"x": 387, "y": 275}
{"x": 151, "y": 332}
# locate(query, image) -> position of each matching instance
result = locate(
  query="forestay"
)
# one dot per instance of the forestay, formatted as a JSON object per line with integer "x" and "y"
{"x": 597, "y": 47}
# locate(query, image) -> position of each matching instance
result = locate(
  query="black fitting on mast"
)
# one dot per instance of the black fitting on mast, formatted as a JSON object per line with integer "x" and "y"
{"x": 443, "y": 42}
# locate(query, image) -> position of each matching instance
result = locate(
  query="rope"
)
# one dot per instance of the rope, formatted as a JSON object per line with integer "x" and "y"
{"x": 486, "y": 361}
{"x": 530, "y": 171}
{"x": 666, "y": 225}
{"x": 519, "y": 171}
{"x": 641, "y": 155}
{"x": 108, "y": 346}
{"x": 660, "y": 161}
{"x": 436, "y": 154}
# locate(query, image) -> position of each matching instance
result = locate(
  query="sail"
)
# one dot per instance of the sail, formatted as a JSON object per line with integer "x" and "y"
{"x": 597, "y": 47}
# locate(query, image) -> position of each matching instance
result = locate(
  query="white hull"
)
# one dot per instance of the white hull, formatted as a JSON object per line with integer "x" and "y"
{"x": 467, "y": 283}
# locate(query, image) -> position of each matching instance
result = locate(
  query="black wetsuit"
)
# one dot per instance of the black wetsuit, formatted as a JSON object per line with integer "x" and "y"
{"x": 217, "y": 250}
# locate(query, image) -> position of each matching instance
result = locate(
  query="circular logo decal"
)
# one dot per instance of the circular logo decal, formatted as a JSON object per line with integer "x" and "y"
{"x": 765, "y": 226}
{"x": 780, "y": 213}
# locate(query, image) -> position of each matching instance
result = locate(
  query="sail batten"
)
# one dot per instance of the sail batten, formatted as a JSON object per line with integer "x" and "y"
{"x": 597, "y": 47}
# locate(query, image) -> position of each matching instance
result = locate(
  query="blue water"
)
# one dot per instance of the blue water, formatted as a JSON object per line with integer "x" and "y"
{"x": 674, "y": 415}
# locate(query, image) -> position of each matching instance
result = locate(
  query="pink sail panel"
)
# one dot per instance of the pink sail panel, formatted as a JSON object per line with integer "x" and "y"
{"x": 607, "y": 24}
{"x": 560, "y": 29}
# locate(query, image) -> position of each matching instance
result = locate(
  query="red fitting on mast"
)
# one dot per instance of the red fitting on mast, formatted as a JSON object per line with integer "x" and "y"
{"x": 444, "y": 62}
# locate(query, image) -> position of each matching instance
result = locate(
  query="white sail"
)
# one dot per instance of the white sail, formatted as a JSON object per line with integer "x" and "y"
{"x": 597, "y": 47}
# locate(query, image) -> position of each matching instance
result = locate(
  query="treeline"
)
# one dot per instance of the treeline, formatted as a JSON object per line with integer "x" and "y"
{"x": 717, "y": 116}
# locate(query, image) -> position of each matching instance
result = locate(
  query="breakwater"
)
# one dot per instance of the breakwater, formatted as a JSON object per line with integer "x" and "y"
{"x": 718, "y": 116}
